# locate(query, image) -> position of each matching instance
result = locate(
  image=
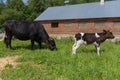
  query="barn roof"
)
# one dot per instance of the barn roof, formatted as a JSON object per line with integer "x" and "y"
{"x": 82, "y": 11}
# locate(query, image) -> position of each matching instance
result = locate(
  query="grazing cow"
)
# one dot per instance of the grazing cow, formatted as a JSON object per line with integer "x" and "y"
{"x": 25, "y": 30}
{"x": 89, "y": 38}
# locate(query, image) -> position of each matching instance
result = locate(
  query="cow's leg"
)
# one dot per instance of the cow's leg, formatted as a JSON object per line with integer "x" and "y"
{"x": 76, "y": 45}
{"x": 32, "y": 37}
{"x": 7, "y": 41}
{"x": 40, "y": 44}
{"x": 32, "y": 44}
{"x": 97, "y": 45}
{"x": 38, "y": 40}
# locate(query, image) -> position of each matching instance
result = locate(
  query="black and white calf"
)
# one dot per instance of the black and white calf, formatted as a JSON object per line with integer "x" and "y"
{"x": 91, "y": 38}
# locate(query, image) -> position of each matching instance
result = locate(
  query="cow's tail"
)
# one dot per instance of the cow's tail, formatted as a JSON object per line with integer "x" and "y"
{"x": 3, "y": 36}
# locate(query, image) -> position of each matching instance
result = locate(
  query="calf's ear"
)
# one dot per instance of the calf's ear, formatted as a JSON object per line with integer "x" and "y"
{"x": 104, "y": 31}
{"x": 109, "y": 31}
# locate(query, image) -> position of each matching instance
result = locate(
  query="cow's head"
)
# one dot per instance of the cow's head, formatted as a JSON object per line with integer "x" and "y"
{"x": 51, "y": 44}
{"x": 108, "y": 34}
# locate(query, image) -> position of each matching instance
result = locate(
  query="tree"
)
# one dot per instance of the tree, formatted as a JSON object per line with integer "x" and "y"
{"x": 1, "y": 5}
{"x": 1, "y": 9}
{"x": 15, "y": 4}
{"x": 12, "y": 9}
{"x": 16, "y": 9}
{"x": 51, "y": 3}
{"x": 35, "y": 7}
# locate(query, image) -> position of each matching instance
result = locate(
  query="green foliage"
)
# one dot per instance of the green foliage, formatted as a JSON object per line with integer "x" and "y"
{"x": 13, "y": 9}
{"x": 15, "y": 4}
{"x": 61, "y": 64}
{"x": 11, "y": 14}
{"x": 1, "y": 7}
{"x": 16, "y": 9}
{"x": 50, "y": 3}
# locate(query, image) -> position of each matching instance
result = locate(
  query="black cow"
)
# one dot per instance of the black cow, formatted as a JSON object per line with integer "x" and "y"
{"x": 89, "y": 38}
{"x": 25, "y": 30}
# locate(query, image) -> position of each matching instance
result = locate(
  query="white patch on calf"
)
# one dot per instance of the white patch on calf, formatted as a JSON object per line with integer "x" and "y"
{"x": 96, "y": 44}
{"x": 97, "y": 47}
{"x": 82, "y": 34}
{"x": 96, "y": 35}
{"x": 78, "y": 43}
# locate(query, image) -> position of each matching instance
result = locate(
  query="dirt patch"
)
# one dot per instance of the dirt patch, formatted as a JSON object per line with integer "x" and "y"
{"x": 8, "y": 60}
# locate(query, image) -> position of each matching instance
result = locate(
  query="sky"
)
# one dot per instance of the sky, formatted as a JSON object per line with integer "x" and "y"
{"x": 25, "y": 1}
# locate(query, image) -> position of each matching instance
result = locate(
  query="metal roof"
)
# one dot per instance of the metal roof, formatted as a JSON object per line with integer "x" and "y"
{"x": 82, "y": 11}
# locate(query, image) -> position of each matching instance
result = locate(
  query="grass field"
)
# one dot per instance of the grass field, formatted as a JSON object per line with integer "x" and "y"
{"x": 61, "y": 64}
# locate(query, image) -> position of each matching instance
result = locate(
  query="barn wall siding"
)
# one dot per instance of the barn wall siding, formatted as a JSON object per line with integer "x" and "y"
{"x": 74, "y": 26}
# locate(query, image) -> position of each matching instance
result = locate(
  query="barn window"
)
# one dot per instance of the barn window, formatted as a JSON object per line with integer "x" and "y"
{"x": 82, "y": 24}
{"x": 116, "y": 23}
{"x": 100, "y": 23}
{"x": 67, "y": 24}
{"x": 54, "y": 24}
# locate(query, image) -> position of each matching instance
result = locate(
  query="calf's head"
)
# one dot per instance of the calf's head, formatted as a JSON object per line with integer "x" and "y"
{"x": 51, "y": 44}
{"x": 108, "y": 34}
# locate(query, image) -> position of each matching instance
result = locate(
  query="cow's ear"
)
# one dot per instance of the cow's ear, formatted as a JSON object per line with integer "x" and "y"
{"x": 51, "y": 39}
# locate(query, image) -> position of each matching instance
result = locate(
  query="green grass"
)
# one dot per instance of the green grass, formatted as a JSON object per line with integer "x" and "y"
{"x": 61, "y": 64}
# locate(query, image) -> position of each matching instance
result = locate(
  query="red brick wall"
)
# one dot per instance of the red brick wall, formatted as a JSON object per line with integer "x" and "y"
{"x": 74, "y": 26}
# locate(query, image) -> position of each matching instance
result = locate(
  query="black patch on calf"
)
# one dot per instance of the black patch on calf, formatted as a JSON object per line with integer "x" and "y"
{"x": 78, "y": 36}
{"x": 89, "y": 38}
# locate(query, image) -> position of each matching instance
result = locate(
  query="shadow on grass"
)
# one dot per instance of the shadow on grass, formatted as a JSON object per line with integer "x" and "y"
{"x": 28, "y": 47}
{"x": 87, "y": 51}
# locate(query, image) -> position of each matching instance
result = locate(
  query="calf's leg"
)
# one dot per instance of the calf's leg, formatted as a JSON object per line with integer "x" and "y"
{"x": 76, "y": 45}
{"x": 97, "y": 48}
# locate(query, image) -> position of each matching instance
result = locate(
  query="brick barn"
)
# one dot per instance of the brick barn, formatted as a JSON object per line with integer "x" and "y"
{"x": 89, "y": 17}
